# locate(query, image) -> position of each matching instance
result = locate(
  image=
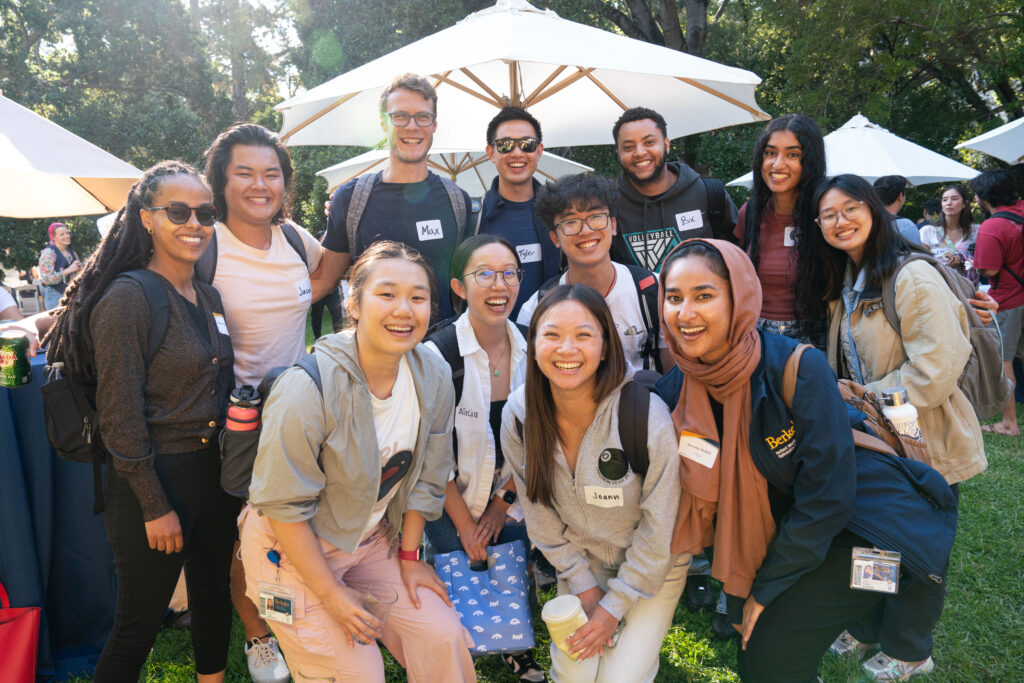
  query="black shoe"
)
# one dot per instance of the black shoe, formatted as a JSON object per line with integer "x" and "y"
{"x": 544, "y": 574}
{"x": 722, "y": 628}
{"x": 698, "y": 593}
{"x": 523, "y": 664}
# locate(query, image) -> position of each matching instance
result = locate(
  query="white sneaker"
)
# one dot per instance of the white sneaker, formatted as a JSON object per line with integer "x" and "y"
{"x": 884, "y": 668}
{"x": 266, "y": 665}
{"x": 846, "y": 644}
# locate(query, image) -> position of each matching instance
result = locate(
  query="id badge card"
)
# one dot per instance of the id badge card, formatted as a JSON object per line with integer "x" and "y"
{"x": 276, "y": 603}
{"x": 787, "y": 237}
{"x": 875, "y": 570}
{"x": 222, "y": 327}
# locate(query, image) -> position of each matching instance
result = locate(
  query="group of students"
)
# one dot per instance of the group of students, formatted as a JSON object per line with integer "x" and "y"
{"x": 352, "y": 471}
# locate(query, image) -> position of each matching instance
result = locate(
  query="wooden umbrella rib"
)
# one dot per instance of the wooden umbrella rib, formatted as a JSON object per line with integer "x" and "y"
{"x": 483, "y": 86}
{"x": 493, "y": 102}
{"x": 547, "y": 81}
{"x": 758, "y": 116}
{"x": 323, "y": 112}
{"x": 607, "y": 92}
{"x": 564, "y": 83}
{"x": 513, "y": 91}
{"x": 547, "y": 175}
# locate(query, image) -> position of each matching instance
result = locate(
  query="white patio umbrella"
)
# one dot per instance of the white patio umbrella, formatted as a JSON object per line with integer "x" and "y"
{"x": 575, "y": 79}
{"x": 46, "y": 170}
{"x": 471, "y": 169}
{"x": 870, "y": 151}
{"x": 1005, "y": 142}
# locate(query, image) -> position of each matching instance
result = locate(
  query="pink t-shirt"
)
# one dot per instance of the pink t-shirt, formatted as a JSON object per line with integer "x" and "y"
{"x": 777, "y": 263}
{"x": 1001, "y": 243}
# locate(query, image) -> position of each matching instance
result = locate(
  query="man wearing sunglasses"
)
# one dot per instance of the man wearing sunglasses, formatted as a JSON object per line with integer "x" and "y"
{"x": 661, "y": 203}
{"x": 514, "y": 146}
{"x": 405, "y": 202}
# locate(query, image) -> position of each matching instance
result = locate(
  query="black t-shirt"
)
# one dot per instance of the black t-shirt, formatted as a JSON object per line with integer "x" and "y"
{"x": 418, "y": 214}
{"x": 495, "y": 419}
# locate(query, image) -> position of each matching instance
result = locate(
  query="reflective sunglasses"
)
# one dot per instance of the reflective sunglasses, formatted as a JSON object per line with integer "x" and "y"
{"x": 179, "y": 213}
{"x": 402, "y": 118}
{"x": 485, "y": 277}
{"x": 506, "y": 145}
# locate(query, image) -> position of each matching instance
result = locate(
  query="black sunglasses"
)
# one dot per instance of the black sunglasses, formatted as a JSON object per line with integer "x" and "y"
{"x": 179, "y": 214}
{"x": 506, "y": 145}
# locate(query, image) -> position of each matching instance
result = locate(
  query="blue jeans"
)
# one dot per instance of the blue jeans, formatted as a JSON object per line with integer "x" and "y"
{"x": 791, "y": 328}
{"x": 445, "y": 538}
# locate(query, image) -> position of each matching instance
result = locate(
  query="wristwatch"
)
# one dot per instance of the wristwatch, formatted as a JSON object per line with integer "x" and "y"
{"x": 507, "y": 496}
{"x": 411, "y": 555}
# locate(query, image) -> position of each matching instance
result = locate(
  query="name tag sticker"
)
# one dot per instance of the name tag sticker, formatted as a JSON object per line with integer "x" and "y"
{"x": 875, "y": 570}
{"x": 603, "y": 497}
{"x": 700, "y": 449}
{"x": 276, "y": 603}
{"x": 529, "y": 253}
{"x": 304, "y": 290}
{"x": 787, "y": 237}
{"x": 689, "y": 220}
{"x": 222, "y": 326}
{"x": 429, "y": 230}
{"x": 468, "y": 419}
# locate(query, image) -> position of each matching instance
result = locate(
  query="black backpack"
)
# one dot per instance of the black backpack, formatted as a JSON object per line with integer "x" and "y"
{"x": 206, "y": 267}
{"x": 446, "y": 340}
{"x": 647, "y": 292}
{"x": 1016, "y": 218}
{"x": 69, "y": 404}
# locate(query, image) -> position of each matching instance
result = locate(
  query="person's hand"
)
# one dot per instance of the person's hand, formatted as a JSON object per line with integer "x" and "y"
{"x": 75, "y": 266}
{"x": 751, "y": 613}
{"x": 985, "y": 306}
{"x": 345, "y": 605}
{"x": 417, "y": 574}
{"x": 327, "y": 208}
{"x": 590, "y": 598}
{"x": 476, "y": 550}
{"x": 29, "y": 330}
{"x": 491, "y": 522}
{"x": 164, "y": 533}
{"x": 590, "y": 639}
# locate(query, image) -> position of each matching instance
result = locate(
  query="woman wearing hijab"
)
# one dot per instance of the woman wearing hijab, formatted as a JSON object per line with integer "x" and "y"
{"x": 771, "y": 489}
{"x": 58, "y": 263}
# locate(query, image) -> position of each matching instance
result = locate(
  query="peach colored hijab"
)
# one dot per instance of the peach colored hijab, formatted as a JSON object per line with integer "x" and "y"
{"x": 732, "y": 488}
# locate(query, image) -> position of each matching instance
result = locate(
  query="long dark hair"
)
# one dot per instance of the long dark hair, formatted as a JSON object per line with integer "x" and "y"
{"x": 540, "y": 426}
{"x": 884, "y": 248}
{"x": 127, "y": 246}
{"x": 464, "y": 253}
{"x": 812, "y": 164}
{"x": 964, "y": 219}
{"x": 218, "y": 156}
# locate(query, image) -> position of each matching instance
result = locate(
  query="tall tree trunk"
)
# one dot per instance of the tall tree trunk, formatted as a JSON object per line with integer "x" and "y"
{"x": 669, "y": 15}
{"x": 644, "y": 21}
{"x": 1012, "y": 102}
{"x": 239, "y": 106}
{"x": 696, "y": 26}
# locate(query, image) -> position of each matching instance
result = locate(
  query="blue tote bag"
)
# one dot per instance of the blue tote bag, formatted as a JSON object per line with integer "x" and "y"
{"x": 492, "y": 603}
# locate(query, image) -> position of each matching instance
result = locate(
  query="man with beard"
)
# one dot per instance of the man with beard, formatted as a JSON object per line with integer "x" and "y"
{"x": 405, "y": 202}
{"x": 661, "y": 204}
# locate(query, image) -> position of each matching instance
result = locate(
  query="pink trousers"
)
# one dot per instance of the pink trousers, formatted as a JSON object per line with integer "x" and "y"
{"x": 430, "y": 642}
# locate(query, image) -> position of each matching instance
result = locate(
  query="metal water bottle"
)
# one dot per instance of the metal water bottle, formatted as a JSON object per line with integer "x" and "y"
{"x": 901, "y": 413}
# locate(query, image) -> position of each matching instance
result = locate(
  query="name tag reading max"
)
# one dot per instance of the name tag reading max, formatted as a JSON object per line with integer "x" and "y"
{"x": 602, "y": 496}
{"x": 699, "y": 449}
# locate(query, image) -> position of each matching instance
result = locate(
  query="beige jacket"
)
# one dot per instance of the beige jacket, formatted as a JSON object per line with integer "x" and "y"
{"x": 927, "y": 358}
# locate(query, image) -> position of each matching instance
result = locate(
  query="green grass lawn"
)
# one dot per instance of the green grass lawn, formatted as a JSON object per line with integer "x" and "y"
{"x": 979, "y": 637}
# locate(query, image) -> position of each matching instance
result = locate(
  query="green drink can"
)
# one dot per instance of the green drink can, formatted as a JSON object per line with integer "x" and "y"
{"x": 15, "y": 368}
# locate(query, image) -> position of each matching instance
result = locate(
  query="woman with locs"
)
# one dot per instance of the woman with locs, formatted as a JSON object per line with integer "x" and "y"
{"x": 603, "y": 526}
{"x": 480, "y": 505}
{"x": 344, "y": 480}
{"x": 163, "y": 503}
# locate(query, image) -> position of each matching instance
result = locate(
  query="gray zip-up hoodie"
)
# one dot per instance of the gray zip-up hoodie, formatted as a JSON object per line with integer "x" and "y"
{"x": 605, "y": 514}
{"x": 318, "y": 458}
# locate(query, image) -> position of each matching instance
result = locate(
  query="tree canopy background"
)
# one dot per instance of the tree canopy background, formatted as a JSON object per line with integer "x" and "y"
{"x": 155, "y": 79}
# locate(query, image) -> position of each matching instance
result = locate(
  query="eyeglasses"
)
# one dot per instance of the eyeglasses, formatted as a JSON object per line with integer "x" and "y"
{"x": 179, "y": 214}
{"x": 506, "y": 145}
{"x": 402, "y": 118}
{"x": 574, "y": 226}
{"x": 485, "y": 277}
{"x": 827, "y": 221}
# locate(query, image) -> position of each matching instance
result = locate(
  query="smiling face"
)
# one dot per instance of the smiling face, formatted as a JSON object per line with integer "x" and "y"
{"x": 62, "y": 237}
{"x": 254, "y": 188}
{"x": 393, "y": 308}
{"x": 698, "y": 309}
{"x": 642, "y": 150}
{"x": 952, "y": 205}
{"x": 409, "y": 144}
{"x": 569, "y": 347}
{"x": 489, "y": 305}
{"x": 178, "y": 243}
{"x": 517, "y": 167}
{"x": 850, "y": 226}
{"x": 589, "y": 246}
{"x": 781, "y": 163}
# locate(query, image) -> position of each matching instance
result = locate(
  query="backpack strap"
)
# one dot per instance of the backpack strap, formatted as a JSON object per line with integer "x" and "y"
{"x": 647, "y": 292}
{"x": 206, "y": 266}
{"x": 459, "y": 208}
{"x": 476, "y": 214}
{"x": 159, "y": 308}
{"x": 889, "y": 290}
{"x": 634, "y": 409}
{"x": 715, "y": 190}
{"x": 446, "y": 339}
{"x": 1016, "y": 218}
{"x": 294, "y": 239}
{"x": 357, "y": 205}
{"x": 312, "y": 368}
